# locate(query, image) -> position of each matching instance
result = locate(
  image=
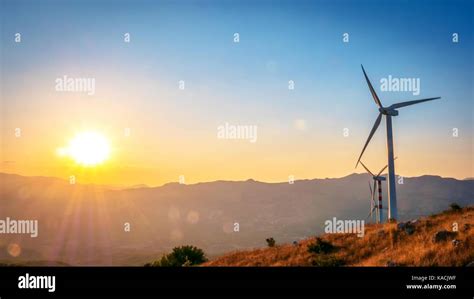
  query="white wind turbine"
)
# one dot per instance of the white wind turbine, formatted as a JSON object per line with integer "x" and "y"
{"x": 388, "y": 112}
{"x": 374, "y": 205}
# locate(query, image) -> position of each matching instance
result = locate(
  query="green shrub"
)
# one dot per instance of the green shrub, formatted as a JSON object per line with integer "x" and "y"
{"x": 180, "y": 257}
{"x": 270, "y": 242}
{"x": 455, "y": 207}
{"x": 326, "y": 261}
{"x": 320, "y": 246}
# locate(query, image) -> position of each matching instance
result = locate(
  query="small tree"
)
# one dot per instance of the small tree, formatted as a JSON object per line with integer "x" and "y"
{"x": 455, "y": 207}
{"x": 320, "y": 250}
{"x": 320, "y": 246}
{"x": 182, "y": 256}
{"x": 270, "y": 242}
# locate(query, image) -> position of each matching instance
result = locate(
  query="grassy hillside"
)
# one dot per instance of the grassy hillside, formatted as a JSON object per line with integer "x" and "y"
{"x": 383, "y": 245}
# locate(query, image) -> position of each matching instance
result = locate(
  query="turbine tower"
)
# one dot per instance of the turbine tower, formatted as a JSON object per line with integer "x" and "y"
{"x": 388, "y": 112}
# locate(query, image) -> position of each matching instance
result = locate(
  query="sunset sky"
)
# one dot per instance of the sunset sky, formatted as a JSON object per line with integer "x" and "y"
{"x": 173, "y": 132}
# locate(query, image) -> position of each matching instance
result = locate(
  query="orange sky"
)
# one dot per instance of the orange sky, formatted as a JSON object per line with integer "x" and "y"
{"x": 155, "y": 157}
{"x": 168, "y": 143}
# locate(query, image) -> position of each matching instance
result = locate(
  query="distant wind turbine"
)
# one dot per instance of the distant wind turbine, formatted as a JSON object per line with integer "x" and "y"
{"x": 388, "y": 112}
{"x": 372, "y": 204}
{"x": 377, "y": 207}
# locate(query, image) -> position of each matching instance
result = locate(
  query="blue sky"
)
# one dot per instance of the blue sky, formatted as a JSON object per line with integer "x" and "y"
{"x": 247, "y": 82}
{"x": 301, "y": 39}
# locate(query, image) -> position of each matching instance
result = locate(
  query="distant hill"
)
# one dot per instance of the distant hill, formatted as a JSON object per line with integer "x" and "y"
{"x": 84, "y": 224}
{"x": 38, "y": 263}
{"x": 383, "y": 245}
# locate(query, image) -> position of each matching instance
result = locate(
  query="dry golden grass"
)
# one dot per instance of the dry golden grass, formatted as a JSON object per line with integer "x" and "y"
{"x": 382, "y": 243}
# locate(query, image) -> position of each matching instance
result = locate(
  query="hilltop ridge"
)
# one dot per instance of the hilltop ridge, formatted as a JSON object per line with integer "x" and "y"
{"x": 428, "y": 241}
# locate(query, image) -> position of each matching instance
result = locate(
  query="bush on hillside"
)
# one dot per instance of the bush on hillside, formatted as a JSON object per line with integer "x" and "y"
{"x": 326, "y": 261}
{"x": 320, "y": 246}
{"x": 180, "y": 257}
{"x": 270, "y": 242}
{"x": 455, "y": 207}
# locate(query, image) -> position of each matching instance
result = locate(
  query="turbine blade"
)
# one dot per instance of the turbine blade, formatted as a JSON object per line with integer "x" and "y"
{"x": 366, "y": 168}
{"x": 373, "y": 194}
{"x": 370, "y": 214}
{"x": 374, "y": 128}
{"x": 372, "y": 90}
{"x": 370, "y": 187}
{"x": 404, "y": 104}
{"x": 380, "y": 172}
{"x": 371, "y": 206}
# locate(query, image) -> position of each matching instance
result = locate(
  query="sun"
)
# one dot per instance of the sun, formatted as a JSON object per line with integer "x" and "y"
{"x": 87, "y": 149}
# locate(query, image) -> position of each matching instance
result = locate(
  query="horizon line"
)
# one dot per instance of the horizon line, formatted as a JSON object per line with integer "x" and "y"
{"x": 125, "y": 187}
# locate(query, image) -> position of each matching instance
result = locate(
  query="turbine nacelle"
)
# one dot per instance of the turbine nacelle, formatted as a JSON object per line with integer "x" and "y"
{"x": 378, "y": 176}
{"x": 388, "y": 111}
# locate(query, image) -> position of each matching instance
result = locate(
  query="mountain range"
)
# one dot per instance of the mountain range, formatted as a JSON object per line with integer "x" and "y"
{"x": 98, "y": 225}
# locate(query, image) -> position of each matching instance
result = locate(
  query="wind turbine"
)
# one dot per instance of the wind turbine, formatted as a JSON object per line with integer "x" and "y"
{"x": 373, "y": 206}
{"x": 388, "y": 112}
{"x": 377, "y": 183}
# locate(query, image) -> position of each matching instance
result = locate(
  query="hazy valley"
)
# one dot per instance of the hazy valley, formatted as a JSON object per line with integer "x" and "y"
{"x": 84, "y": 224}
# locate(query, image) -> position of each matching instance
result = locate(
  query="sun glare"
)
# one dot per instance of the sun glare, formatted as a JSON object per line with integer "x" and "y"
{"x": 87, "y": 149}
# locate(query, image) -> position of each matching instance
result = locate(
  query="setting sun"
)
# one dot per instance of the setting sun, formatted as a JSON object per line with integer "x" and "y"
{"x": 87, "y": 149}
